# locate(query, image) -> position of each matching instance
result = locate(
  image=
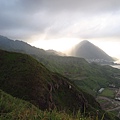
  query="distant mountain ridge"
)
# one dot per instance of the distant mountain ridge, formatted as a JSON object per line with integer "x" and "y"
{"x": 55, "y": 52}
{"x": 72, "y": 67}
{"x": 89, "y": 77}
{"x": 23, "y": 77}
{"x": 89, "y": 51}
{"x": 20, "y": 46}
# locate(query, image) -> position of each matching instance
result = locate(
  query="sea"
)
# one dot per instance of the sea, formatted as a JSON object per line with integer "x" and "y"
{"x": 116, "y": 66}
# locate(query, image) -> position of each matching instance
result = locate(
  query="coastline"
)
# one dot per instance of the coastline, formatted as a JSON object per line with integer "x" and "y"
{"x": 116, "y": 66}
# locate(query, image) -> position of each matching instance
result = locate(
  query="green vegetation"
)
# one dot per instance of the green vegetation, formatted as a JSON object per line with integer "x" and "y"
{"x": 89, "y": 77}
{"x": 12, "y": 108}
{"x": 76, "y": 69}
{"x": 116, "y": 112}
{"x": 107, "y": 92}
{"x": 23, "y": 77}
{"x": 101, "y": 101}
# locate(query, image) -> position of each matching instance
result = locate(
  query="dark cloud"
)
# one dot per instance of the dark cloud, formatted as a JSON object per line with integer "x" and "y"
{"x": 60, "y": 18}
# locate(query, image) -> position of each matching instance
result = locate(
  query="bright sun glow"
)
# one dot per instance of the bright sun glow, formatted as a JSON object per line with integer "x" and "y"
{"x": 65, "y": 44}
{"x": 62, "y": 45}
{"x": 111, "y": 48}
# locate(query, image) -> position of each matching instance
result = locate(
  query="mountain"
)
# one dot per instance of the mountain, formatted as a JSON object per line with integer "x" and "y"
{"x": 12, "y": 108}
{"x": 53, "y": 52}
{"x": 23, "y": 77}
{"x": 89, "y": 77}
{"x": 23, "y": 47}
{"x": 89, "y": 51}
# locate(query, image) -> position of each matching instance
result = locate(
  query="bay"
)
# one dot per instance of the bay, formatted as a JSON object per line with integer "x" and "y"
{"x": 116, "y": 66}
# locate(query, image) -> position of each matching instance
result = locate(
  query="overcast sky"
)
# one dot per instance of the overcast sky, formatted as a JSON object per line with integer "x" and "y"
{"x": 65, "y": 20}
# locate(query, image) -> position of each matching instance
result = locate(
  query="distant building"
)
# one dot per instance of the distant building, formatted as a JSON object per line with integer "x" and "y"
{"x": 101, "y": 90}
{"x": 117, "y": 98}
{"x": 112, "y": 85}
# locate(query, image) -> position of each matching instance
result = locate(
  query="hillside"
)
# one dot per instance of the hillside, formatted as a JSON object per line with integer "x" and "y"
{"x": 89, "y": 77}
{"x": 12, "y": 108}
{"x": 24, "y": 77}
{"x": 89, "y": 51}
{"x": 23, "y": 47}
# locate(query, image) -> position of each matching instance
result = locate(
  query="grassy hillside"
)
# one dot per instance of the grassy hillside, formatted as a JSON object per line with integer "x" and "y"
{"x": 89, "y": 77}
{"x": 23, "y": 47}
{"x": 12, "y": 108}
{"x": 24, "y": 77}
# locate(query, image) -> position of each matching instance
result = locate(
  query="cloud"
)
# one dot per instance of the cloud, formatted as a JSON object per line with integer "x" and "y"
{"x": 22, "y": 19}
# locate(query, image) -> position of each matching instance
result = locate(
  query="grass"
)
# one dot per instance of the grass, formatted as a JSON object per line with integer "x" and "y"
{"x": 25, "y": 78}
{"x": 101, "y": 101}
{"x": 107, "y": 92}
{"x": 116, "y": 112}
{"x": 12, "y": 108}
{"x": 95, "y": 76}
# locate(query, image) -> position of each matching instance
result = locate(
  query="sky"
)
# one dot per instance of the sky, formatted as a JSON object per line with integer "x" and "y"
{"x": 61, "y": 24}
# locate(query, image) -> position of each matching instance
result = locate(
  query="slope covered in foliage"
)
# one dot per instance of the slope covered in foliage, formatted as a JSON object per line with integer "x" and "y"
{"x": 90, "y": 77}
{"x": 25, "y": 78}
{"x": 23, "y": 47}
{"x": 12, "y": 108}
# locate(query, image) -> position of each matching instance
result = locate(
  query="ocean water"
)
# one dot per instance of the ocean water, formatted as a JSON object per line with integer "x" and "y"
{"x": 116, "y": 66}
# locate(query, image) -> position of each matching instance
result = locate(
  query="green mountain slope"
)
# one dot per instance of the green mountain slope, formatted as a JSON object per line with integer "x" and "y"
{"x": 12, "y": 108}
{"x": 23, "y": 47}
{"x": 25, "y": 78}
{"x": 90, "y": 77}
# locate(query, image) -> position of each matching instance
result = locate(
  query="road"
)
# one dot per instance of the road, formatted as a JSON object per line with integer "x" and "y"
{"x": 117, "y": 103}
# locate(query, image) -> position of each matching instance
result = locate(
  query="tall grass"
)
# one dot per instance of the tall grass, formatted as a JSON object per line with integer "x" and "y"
{"x": 12, "y": 108}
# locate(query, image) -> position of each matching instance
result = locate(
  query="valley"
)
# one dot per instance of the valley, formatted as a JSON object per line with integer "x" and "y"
{"x": 57, "y": 79}
{"x": 59, "y": 59}
{"x": 108, "y": 101}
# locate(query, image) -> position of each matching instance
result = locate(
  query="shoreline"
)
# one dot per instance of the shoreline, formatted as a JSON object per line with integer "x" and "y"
{"x": 116, "y": 66}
